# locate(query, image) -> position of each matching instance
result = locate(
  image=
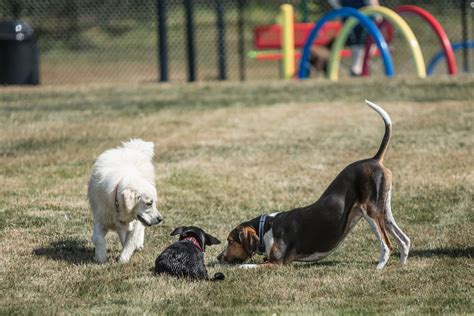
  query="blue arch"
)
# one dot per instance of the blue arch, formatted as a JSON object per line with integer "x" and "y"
{"x": 440, "y": 54}
{"x": 364, "y": 21}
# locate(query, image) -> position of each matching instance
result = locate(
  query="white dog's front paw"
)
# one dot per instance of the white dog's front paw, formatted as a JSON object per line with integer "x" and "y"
{"x": 123, "y": 259}
{"x": 248, "y": 266}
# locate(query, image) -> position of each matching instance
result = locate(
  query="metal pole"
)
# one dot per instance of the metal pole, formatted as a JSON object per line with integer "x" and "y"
{"x": 162, "y": 40}
{"x": 241, "y": 34}
{"x": 221, "y": 39}
{"x": 190, "y": 40}
{"x": 465, "y": 53}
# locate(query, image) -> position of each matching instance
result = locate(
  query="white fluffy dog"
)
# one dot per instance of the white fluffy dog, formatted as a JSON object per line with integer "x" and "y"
{"x": 123, "y": 197}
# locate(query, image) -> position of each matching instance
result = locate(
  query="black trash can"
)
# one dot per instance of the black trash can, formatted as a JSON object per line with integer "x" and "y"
{"x": 19, "y": 61}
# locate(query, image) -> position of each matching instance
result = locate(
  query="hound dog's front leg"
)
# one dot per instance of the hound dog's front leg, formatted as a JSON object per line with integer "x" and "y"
{"x": 277, "y": 256}
{"x": 260, "y": 265}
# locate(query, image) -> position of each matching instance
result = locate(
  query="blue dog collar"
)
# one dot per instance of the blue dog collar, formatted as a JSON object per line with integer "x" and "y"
{"x": 261, "y": 232}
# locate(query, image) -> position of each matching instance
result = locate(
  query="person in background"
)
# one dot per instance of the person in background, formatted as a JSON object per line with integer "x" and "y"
{"x": 358, "y": 37}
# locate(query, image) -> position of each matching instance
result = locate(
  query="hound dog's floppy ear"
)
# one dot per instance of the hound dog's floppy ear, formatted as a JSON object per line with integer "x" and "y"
{"x": 249, "y": 240}
{"x": 211, "y": 240}
{"x": 130, "y": 198}
{"x": 178, "y": 231}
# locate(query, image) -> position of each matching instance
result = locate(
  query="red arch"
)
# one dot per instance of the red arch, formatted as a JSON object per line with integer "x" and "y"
{"x": 437, "y": 28}
{"x": 387, "y": 31}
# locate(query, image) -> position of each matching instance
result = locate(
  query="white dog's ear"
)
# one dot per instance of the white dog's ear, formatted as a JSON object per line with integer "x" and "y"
{"x": 130, "y": 198}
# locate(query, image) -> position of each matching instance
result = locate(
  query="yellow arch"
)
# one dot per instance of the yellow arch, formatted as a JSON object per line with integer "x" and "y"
{"x": 396, "y": 20}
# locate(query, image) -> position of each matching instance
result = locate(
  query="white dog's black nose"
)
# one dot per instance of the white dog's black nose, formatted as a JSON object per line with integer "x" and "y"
{"x": 157, "y": 219}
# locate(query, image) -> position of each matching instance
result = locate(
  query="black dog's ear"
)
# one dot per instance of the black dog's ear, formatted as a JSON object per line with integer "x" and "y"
{"x": 178, "y": 231}
{"x": 211, "y": 240}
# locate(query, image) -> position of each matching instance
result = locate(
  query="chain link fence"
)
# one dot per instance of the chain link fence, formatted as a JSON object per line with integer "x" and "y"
{"x": 92, "y": 41}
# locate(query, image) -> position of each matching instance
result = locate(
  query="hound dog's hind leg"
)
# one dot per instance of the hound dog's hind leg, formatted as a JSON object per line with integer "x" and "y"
{"x": 372, "y": 216}
{"x": 401, "y": 238}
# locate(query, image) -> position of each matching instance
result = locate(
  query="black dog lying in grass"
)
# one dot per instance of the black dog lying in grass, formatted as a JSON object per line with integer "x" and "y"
{"x": 185, "y": 258}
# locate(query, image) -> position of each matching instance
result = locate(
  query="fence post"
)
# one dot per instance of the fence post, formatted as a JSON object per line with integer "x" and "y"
{"x": 465, "y": 53}
{"x": 241, "y": 43}
{"x": 162, "y": 40}
{"x": 221, "y": 54}
{"x": 190, "y": 40}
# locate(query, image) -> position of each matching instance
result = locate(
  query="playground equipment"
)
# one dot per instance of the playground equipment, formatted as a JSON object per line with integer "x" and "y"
{"x": 392, "y": 17}
{"x": 442, "y": 53}
{"x": 435, "y": 26}
{"x": 395, "y": 20}
{"x": 288, "y": 42}
{"x": 364, "y": 21}
{"x": 387, "y": 30}
{"x": 272, "y": 41}
{"x": 282, "y": 40}
{"x": 268, "y": 39}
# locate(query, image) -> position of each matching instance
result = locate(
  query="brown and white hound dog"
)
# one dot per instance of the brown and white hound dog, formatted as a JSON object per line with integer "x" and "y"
{"x": 362, "y": 189}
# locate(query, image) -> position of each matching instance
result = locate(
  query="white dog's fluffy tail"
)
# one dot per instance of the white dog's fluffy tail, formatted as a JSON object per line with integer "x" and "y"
{"x": 147, "y": 148}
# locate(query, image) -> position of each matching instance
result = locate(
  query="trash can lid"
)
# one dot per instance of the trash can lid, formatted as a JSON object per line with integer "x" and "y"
{"x": 15, "y": 30}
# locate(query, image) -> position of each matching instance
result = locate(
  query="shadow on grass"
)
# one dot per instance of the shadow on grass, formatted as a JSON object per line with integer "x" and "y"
{"x": 322, "y": 263}
{"x": 299, "y": 265}
{"x": 69, "y": 250}
{"x": 467, "y": 252}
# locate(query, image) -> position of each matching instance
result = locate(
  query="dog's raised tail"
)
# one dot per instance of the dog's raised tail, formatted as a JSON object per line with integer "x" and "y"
{"x": 147, "y": 148}
{"x": 388, "y": 130}
{"x": 219, "y": 276}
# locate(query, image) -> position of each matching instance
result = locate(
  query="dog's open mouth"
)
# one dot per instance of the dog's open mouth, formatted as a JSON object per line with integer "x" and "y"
{"x": 141, "y": 219}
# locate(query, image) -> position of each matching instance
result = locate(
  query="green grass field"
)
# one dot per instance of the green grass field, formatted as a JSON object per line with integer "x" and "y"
{"x": 226, "y": 153}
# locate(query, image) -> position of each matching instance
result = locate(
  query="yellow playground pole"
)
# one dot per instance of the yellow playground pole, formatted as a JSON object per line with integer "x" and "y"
{"x": 288, "y": 41}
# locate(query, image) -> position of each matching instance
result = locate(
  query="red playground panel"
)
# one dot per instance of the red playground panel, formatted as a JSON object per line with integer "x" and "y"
{"x": 269, "y": 36}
